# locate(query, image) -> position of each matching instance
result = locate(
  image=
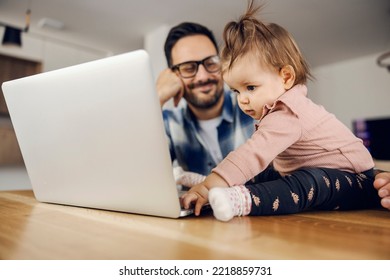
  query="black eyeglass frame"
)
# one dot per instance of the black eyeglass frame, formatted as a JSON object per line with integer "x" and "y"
{"x": 197, "y": 63}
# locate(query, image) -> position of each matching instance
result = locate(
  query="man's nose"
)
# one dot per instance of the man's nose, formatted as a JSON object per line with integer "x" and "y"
{"x": 202, "y": 73}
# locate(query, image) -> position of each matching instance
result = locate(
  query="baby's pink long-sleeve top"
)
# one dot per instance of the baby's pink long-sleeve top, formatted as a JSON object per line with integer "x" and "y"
{"x": 293, "y": 133}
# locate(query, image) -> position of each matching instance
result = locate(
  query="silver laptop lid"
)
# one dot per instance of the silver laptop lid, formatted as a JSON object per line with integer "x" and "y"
{"x": 92, "y": 135}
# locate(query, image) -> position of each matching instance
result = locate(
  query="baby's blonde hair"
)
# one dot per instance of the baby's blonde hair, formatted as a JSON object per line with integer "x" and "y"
{"x": 274, "y": 46}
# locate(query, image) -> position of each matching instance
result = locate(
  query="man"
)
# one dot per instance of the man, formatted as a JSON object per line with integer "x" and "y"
{"x": 210, "y": 124}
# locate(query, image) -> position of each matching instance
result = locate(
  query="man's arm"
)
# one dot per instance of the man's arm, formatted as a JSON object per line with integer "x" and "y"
{"x": 168, "y": 86}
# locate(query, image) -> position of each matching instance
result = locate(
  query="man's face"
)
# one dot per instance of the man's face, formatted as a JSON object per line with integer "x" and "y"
{"x": 204, "y": 89}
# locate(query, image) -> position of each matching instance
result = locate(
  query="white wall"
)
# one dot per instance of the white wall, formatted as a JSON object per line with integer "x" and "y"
{"x": 154, "y": 45}
{"x": 353, "y": 89}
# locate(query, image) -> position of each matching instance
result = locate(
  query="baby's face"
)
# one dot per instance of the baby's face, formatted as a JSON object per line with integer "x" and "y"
{"x": 254, "y": 84}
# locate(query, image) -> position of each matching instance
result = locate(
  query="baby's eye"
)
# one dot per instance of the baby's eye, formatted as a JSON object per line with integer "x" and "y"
{"x": 250, "y": 88}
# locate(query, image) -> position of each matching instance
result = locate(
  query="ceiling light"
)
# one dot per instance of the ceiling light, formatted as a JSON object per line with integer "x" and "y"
{"x": 50, "y": 23}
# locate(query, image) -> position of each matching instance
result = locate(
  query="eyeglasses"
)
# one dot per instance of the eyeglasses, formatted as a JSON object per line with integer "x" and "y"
{"x": 190, "y": 68}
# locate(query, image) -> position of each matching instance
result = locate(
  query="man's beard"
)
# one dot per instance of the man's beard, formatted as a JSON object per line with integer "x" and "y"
{"x": 201, "y": 103}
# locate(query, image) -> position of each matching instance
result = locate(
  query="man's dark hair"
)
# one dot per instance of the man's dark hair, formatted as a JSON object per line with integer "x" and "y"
{"x": 183, "y": 30}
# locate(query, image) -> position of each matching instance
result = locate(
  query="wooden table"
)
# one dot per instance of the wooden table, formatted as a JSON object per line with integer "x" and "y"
{"x": 34, "y": 230}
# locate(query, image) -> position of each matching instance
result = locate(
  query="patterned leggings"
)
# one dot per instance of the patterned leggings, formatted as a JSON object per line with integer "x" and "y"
{"x": 311, "y": 188}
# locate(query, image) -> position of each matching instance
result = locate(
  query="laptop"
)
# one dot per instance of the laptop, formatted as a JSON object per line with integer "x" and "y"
{"x": 92, "y": 135}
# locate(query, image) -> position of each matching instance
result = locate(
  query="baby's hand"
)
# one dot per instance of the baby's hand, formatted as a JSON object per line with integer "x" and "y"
{"x": 197, "y": 195}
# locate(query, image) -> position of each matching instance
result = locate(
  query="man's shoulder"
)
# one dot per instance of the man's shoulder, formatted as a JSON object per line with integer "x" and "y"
{"x": 174, "y": 114}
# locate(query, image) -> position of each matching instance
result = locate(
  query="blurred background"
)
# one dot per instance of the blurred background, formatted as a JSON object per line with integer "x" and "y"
{"x": 341, "y": 39}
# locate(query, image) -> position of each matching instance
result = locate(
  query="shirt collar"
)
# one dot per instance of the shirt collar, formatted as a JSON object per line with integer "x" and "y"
{"x": 285, "y": 98}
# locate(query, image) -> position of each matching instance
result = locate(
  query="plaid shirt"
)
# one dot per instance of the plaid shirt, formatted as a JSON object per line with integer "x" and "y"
{"x": 186, "y": 145}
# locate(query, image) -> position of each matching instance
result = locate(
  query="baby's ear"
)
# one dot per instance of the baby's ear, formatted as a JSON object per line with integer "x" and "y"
{"x": 288, "y": 75}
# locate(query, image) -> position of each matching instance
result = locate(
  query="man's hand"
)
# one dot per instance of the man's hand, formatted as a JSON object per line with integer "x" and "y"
{"x": 382, "y": 184}
{"x": 168, "y": 86}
